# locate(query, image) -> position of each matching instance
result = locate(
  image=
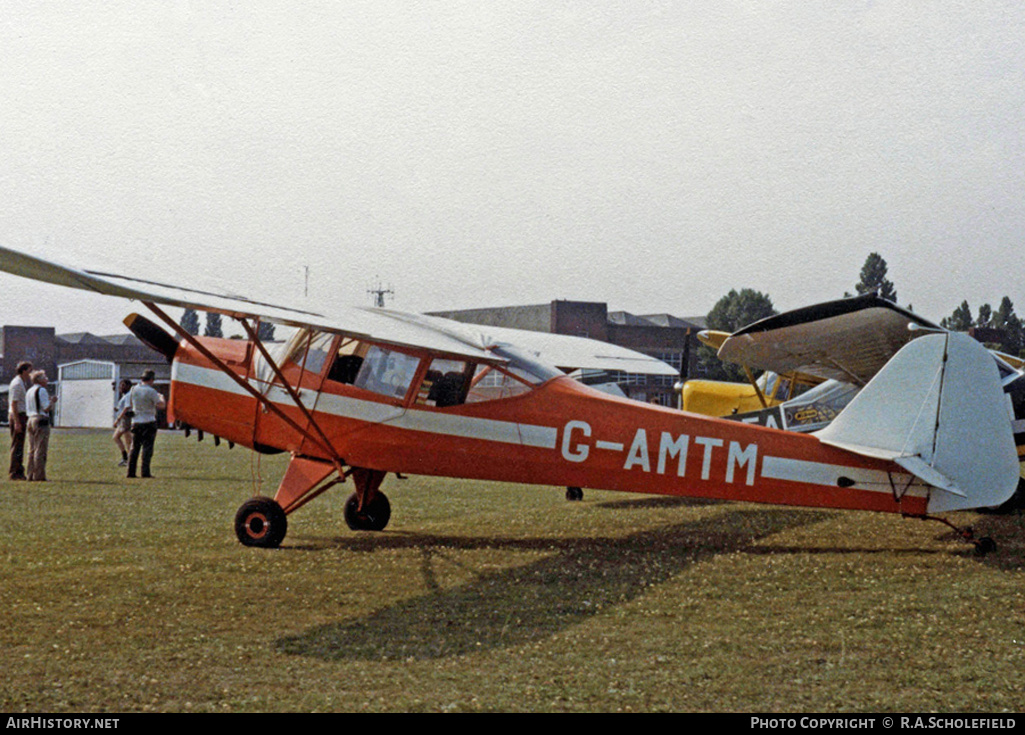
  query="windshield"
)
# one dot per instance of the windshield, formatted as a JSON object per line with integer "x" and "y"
{"x": 294, "y": 350}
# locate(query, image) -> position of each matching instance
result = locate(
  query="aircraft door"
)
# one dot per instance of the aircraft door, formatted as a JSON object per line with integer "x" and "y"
{"x": 303, "y": 361}
{"x": 366, "y": 385}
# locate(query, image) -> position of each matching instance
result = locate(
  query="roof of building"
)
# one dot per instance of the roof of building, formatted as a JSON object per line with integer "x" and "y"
{"x": 656, "y": 320}
{"x": 82, "y": 338}
{"x": 123, "y": 339}
{"x": 668, "y": 320}
{"x": 627, "y": 319}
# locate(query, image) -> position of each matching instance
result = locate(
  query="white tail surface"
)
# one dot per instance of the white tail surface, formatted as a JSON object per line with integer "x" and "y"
{"x": 937, "y": 409}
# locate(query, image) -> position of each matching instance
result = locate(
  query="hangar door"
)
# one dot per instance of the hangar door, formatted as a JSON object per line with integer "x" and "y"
{"x": 86, "y": 394}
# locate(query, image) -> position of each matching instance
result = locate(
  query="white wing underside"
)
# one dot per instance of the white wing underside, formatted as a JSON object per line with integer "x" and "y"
{"x": 380, "y": 325}
{"x": 848, "y": 340}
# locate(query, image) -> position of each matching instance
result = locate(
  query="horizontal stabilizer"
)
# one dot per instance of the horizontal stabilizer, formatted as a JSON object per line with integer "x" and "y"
{"x": 937, "y": 409}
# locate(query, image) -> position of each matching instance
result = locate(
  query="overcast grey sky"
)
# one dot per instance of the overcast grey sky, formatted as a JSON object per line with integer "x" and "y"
{"x": 653, "y": 155}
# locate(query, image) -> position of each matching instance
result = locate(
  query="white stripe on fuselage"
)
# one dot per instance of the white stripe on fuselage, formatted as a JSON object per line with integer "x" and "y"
{"x": 506, "y": 432}
{"x": 819, "y": 473}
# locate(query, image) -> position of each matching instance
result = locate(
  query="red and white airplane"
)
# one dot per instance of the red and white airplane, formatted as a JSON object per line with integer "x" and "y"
{"x": 367, "y": 392}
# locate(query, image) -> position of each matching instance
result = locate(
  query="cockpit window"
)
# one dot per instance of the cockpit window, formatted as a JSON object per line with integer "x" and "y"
{"x": 386, "y": 372}
{"x": 305, "y": 350}
{"x": 446, "y": 383}
{"x": 519, "y": 375}
{"x": 316, "y": 354}
{"x": 348, "y": 361}
{"x": 491, "y": 384}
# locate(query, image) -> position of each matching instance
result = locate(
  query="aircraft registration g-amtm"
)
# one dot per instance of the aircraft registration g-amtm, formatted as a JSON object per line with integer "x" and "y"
{"x": 362, "y": 393}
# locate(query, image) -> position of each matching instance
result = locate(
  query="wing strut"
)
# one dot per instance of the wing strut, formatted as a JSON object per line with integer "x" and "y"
{"x": 754, "y": 383}
{"x": 325, "y": 446}
{"x": 324, "y": 441}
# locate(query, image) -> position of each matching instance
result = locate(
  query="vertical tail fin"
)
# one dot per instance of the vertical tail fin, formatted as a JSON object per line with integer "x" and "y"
{"x": 937, "y": 409}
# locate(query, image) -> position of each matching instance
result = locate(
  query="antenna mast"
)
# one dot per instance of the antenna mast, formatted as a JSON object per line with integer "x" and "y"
{"x": 379, "y": 294}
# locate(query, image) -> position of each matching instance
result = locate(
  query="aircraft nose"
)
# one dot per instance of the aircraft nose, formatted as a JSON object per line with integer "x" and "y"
{"x": 152, "y": 335}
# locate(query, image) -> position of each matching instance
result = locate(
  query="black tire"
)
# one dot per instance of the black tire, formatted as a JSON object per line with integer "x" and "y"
{"x": 574, "y": 493}
{"x": 374, "y": 516}
{"x": 985, "y": 545}
{"x": 261, "y": 522}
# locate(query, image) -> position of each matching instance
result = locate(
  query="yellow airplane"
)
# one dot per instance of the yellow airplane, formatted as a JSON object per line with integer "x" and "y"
{"x": 722, "y": 398}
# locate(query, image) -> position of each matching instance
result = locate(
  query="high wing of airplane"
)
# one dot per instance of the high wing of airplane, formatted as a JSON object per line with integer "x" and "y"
{"x": 848, "y": 339}
{"x": 358, "y": 394}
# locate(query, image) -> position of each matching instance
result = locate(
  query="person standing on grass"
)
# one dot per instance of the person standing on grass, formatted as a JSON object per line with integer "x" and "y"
{"x": 38, "y": 404}
{"x": 123, "y": 421}
{"x": 18, "y": 419}
{"x": 145, "y": 401}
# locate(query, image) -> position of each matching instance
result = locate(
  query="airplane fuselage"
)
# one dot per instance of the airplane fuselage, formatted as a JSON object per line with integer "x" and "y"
{"x": 559, "y": 433}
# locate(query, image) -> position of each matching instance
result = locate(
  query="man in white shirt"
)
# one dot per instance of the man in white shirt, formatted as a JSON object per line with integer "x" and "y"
{"x": 18, "y": 419}
{"x": 37, "y": 406}
{"x": 146, "y": 400}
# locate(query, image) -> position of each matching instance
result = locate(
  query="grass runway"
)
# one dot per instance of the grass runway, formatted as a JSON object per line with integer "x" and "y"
{"x": 126, "y": 596}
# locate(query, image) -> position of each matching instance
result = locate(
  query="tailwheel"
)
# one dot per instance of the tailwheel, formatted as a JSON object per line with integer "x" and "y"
{"x": 985, "y": 545}
{"x": 373, "y": 516}
{"x": 261, "y": 522}
{"x": 574, "y": 493}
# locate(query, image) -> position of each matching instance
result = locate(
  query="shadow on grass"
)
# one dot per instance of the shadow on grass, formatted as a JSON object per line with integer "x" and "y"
{"x": 666, "y": 501}
{"x": 516, "y": 606}
{"x": 76, "y": 482}
{"x": 1008, "y": 532}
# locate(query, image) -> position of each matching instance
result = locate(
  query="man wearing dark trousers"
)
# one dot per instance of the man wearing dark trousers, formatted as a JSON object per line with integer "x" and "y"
{"x": 18, "y": 417}
{"x": 146, "y": 400}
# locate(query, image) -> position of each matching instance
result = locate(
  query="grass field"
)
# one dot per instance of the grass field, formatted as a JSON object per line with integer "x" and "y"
{"x": 134, "y": 595}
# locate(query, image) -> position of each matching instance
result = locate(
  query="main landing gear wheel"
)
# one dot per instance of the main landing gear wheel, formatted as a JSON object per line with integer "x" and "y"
{"x": 574, "y": 493}
{"x": 261, "y": 522}
{"x": 373, "y": 517}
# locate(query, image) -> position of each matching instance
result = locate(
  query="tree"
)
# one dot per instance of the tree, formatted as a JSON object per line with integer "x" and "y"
{"x": 190, "y": 321}
{"x": 1012, "y": 326}
{"x": 213, "y": 325}
{"x": 873, "y": 278}
{"x": 985, "y": 316}
{"x": 265, "y": 332}
{"x": 734, "y": 310}
{"x": 961, "y": 320}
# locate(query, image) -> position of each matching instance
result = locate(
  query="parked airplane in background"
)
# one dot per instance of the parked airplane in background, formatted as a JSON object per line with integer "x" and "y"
{"x": 362, "y": 393}
{"x": 829, "y": 352}
{"x": 723, "y": 398}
